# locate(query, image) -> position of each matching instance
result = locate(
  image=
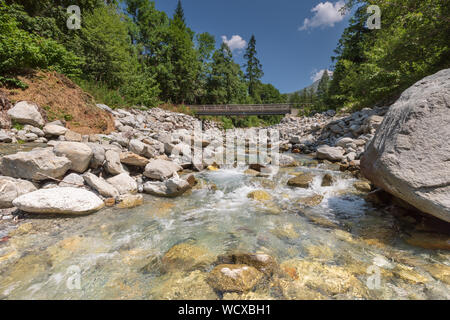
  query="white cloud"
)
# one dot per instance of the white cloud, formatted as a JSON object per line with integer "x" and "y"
{"x": 326, "y": 14}
{"x": 318, "y": 74}
{"x": 235, "y": 43}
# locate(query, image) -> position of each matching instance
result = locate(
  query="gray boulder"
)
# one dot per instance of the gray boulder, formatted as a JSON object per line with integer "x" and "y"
{"x": 409, "y": 156}
{"x": 25, "y": 112}
{"x": 72, "y": 180}
{"x": 51, "y": 129}
{"x": 77, "y": 152}
{"x": 330, "y": 153}
{"x": 159, "y": 169}
{"x": 171, "y": 188}
{"x": 38, "y": 164}
{"x": 112, "y": 162}
{"x": 59, "y": 201}
{"x": 11, "y": 188}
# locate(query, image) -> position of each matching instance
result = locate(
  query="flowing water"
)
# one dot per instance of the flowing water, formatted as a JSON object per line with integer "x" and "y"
{"x": 337, "y": 249}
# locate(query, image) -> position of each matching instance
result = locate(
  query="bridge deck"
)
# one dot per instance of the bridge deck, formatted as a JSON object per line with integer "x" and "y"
{"x": 242, "y": 109}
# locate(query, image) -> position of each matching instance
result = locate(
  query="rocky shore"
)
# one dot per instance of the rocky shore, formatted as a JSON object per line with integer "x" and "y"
{"x": 149, "y": 149}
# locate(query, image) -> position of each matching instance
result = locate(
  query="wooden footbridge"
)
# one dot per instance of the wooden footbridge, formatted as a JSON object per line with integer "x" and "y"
{"x": 243, "y": 109}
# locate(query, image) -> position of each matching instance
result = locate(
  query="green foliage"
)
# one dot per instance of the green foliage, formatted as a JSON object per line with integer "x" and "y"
{"x": 375, "y": 66}
{"x": 253, "y": 67}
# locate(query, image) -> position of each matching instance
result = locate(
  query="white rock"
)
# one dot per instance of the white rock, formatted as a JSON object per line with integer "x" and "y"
{"x": 11, "y": 188}
{"x": 123, "y": 183}
{"x": 100, "y": 185}
{"x": 25, "y": 112}
{"x": 59, "y": 201}
{"x": 161, "y": 169}
{"x": 77, "y": 152}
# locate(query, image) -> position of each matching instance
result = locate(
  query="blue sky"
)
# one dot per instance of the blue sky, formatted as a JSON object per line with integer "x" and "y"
{"x": 290, "y": 49}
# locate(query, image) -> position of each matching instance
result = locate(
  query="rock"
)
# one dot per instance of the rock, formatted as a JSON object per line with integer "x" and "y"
{"x": 38, "y": 164}
{"x": 409, "y": 274}
{"x": 98, "y": 155}
{"x": 123, "y": 183}
{"x": 327, "y": 180}
{"x": 159, "y": 169}
{"x": 409, "y": 155}
{"x": 234, "y": 278}
{"x": 54, "y": 130}
{"x": 259, "y": 195}
{"x": 429, "y": 240}
{"x": 311, "y": 201}
{"x": 186, "y": 257}
{"x": 112, "y": 162}
{"x": 301, "y": 181}
{"x": 142, "y": 149}
{"x": 72, "y": 180}
{"x": 362, "y": 186}
{"x": 4, "y": 137}
{"x": 133, "y": 159}
{"x": 251, "y": 172}
{"x": 59, "y": 201}
{"x": 78, "y": 153}
{"x": 129, "y": 201}
{"x": 25, "y": 112}
{"x": 73, "y": 136}
{"x": 173, "y": 187}
{"x": 330, "y": 153}
{"x": 261, "y": 261}
{"x": 213, "y": 168}
{"x": 286, "y": 161}
{"x": 11, "y": 188}
{"x": 100, "y": 185}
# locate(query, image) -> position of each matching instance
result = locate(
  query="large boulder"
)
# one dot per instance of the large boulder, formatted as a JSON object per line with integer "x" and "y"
{"x": 112, "y": 164}
{"x": 11, "y": 188}
{"x": 59, "y": 201}
{"x": 77, "y": 152}
{"x": 159, "y": 169}
{"x": 171, "y": 188}
{"x": 25, "y": 112}
{"x": 409, "y": 156}
{"x": 132, "y": 159}
{"x": 38, "y": 164}
{"x": 52, "y": 129}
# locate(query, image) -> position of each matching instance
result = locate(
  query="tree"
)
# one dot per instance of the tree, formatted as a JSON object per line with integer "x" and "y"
{"x": 179, "y": 12}
{"x": 253, "y": 67}
{"x": 322, "y": 89}
{"x": 226, "y": 82}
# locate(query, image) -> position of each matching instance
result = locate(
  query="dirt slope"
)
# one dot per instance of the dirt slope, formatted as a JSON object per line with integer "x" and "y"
{"x": 59, "y": 98}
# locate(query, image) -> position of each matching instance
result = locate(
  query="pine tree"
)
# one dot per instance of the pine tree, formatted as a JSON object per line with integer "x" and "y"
{"x": 253, "y": 67}
{"x": 179, "y": 12}
{"x": 322, "y": 89}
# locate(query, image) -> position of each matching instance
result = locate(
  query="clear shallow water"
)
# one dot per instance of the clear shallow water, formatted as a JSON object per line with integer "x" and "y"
{"x": 325, "y": 250}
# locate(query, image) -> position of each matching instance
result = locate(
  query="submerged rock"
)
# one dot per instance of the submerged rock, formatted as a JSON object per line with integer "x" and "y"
{"x": 259, "y": 195}
{"x": 59, "y": 201}
{"x": 129, "y": 201}
{"x": 408, "y": 157}
{"x": 234, "y": 278}
{"x": 186, "y": 257}
{"x": 261, "y": 261}
{"x": 38, "y": 164}
{"x": 11, "y": 188}
{"x": 311, "y": 201}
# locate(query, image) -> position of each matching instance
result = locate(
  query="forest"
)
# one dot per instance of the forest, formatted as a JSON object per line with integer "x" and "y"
{"x": 127, "y": 53}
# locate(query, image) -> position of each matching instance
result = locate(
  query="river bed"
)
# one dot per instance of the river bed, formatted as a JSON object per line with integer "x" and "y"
{"x": 343, "y": 248}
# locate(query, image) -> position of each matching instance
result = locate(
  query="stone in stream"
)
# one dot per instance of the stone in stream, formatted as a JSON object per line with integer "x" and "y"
{"x": 38, "y": 164}
{"x": 327, "y": 180}
{"x": 59, "y": 201}
{"x": 78, "y": 153}
{"x": 409, "y": 155}
{"x": 159, "y": 169}
{"x": 311, "y": 201}
{"x": 133, "y": 159}
{"x": 261, "y": 261}
{"x": 301, "y": 181}
{"x": 25, "y": 112}
{"x": 11, "y": 188}
{"x": 362, "y": 186}
{"x": 234, "y": 278}
{"x": 325, "y": 152}
{"x": 129, "y": 201}
{"x": 259, "y": 195}
{"x": 100, "y": 185}
{"x": 173, "y": 187}
{"x": 123, "y": 183}
{"x": 187, "y": 257}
